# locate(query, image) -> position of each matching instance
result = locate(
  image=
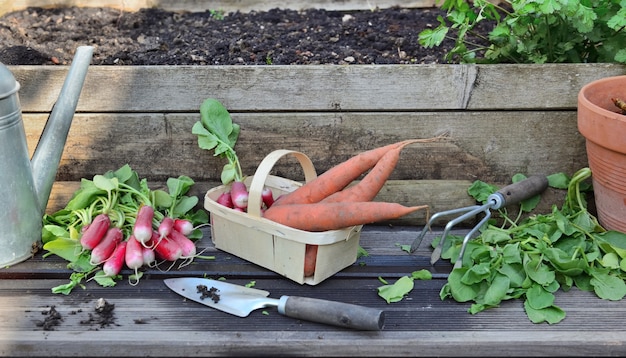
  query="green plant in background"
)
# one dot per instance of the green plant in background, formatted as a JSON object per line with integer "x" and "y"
{"x": 217, "y": 14}
{"x": 533, "y": 31}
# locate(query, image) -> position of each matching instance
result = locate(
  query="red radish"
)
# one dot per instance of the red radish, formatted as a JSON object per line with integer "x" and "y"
{"x": 225, "y": 199}
{"x": 168, "y": 249}
{"x": 187, "y": 246}
{"x": 148, "y": 256}
{"x": 183, "y": 226}
{"x": 134, "y": 254}
{"x": 143, "y": 224}
{"x": 95, "y": 232}
{"x": 267, "y": 196}
{"x": 113, "y": 265}
{"x": 166, "y": 226}
{"x": 239, "y": 194}
{"x": 105, "y": 248}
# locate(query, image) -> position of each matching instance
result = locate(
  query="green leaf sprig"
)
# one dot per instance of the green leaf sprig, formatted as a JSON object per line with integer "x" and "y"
{"x": 216, "y": 131}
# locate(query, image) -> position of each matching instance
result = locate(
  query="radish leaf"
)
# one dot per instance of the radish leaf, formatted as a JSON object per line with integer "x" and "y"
{"x": 216, "y": 131}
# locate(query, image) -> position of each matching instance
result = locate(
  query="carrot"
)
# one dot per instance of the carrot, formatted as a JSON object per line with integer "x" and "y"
{"x": 332, "y": 216}
{"x": 310, "y": 260}
{"x": 368, "y": 188}
{"x": 339, "y": 176}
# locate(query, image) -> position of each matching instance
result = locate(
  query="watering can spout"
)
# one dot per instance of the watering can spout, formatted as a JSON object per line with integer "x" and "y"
{"x": 47, "y": 155}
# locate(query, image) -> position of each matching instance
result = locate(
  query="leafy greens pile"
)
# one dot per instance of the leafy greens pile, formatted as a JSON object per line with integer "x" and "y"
{"x": 532, "y": 258}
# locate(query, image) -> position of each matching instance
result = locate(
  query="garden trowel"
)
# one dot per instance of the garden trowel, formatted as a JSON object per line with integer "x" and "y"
{"x": 240, "y": 301}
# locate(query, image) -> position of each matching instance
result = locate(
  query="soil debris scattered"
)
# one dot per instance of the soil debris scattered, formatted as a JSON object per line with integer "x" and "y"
{"x": 212, "y": 293}
{"x": 104, "y": 315}
{"x": 53, "y": 318}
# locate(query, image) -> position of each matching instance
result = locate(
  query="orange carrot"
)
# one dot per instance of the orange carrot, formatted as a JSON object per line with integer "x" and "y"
{"x": 368, "y": 188}
{"x": 310, "y": 260}
{"x": 339, "y": 176}
{"x": 332, "y": 216}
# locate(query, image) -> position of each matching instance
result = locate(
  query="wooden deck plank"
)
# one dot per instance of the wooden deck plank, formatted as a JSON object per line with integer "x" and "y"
{"x": 316, "y": 88}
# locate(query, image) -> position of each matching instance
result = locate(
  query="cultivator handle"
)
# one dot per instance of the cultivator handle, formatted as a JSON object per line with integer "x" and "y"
{"x": 517, "y": 192}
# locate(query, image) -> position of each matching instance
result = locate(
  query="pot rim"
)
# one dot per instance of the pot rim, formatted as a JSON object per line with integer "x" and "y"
{"x": 596, "y": 122}
{"x": 583, "y": 98}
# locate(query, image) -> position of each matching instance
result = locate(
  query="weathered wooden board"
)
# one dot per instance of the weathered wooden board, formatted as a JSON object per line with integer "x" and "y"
{"x": 491, "y": 146}
{"x": 219, "y": 5}
{"x": 316, "y": 88}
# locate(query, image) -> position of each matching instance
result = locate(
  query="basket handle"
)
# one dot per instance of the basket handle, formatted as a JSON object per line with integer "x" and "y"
{"x": 263, "y": 170}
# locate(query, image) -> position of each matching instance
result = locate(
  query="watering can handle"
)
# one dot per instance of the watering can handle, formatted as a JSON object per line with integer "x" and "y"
{"x": 517, "y": 192}
{"x": 45, "y": 160}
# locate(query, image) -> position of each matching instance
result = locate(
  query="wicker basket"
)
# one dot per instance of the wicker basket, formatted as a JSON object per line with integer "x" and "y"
{"x": 275, "y": 246}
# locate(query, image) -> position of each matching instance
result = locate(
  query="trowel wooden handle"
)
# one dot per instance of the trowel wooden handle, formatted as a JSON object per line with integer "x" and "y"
{"x": 517, "y": 192}
{"x": 332, "y": 312}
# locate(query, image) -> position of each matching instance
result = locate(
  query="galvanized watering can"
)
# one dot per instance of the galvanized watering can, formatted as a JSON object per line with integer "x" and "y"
{"x": 25, "y": 184}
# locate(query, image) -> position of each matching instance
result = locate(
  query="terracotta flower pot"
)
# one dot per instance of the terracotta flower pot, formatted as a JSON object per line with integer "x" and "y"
{"x": 604, "y": 128}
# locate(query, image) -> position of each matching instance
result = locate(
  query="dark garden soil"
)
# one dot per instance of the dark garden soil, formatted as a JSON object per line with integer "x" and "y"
{"x": 38, "y": 36}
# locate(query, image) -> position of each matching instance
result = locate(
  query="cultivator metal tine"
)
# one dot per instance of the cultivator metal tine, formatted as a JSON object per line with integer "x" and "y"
{"x": 510, "y": 194}
{"x": 420, "y": 237}
{"x": 471, "y": 211}
{"x": 459, "y": 261}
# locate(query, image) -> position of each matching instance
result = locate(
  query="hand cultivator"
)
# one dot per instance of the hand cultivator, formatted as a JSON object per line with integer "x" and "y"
{"x": 511, "y": 194}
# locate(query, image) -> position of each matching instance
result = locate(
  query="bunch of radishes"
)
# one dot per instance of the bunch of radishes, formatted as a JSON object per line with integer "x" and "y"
{"x": 237, "y": 197}
{"x": 142, "y": 247}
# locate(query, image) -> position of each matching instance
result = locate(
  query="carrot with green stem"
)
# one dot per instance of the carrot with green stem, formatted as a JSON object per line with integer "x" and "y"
{"x": 373, "y": 182}
{"x": 339, "y": 176}
{"x": 334, "y": 216}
